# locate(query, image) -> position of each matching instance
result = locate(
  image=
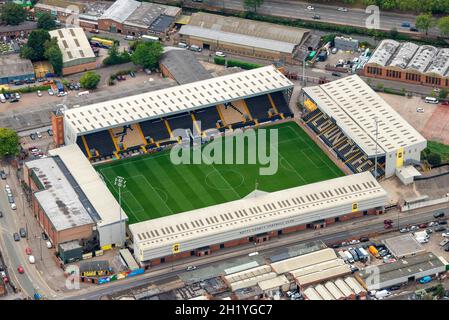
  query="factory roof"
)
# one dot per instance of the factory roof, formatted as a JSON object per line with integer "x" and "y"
{"x": 257, "y": 29}
{"x": 354, "y": 285}
{"x": 404, "y": 55}
{"x": 12, "y": 65}
{"x": 312, "y": 294}
{"x": 73, "y": 44}
{"x": 403, "y": 245}
{"x": 384, "y": 52}
{"x": 249, "y": 282}
{"x": 191, "y": 96}
{"x": 440, "y": 63}
{"x": 343, "y": 287}
{"x": 59, "y": 200}
{"x": 120, "y": 10}
{"x": 333, "y": 289}
{"x": 273, "y": 283}
{"x": 271, "y": 208}
{"x": 323, "y": 292}
{"x": 154, "y": 15}
{"x": 247, "y": 274}
{"x": 402, "y": 268}
{"x": 355, "y": 106}
{"x": 303, "y": 261}
{"x": 184, "y": 67}
{"x": 422, "y": 58}
{"x": 238, "y": 39}
{"x": 323, "y": 275}
{"x": 106, "y": 207}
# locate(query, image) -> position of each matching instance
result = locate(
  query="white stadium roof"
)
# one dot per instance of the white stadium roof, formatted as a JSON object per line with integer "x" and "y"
{"x": 354, "y": 106}
{"x": 91, "y": 183}
{"x": 188, "y": 97}
{"x": 270, "y": 211}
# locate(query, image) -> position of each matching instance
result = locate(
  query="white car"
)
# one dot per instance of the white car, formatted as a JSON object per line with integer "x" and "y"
{"x": 13, "y": 206}
{"x": 403, "y": 230}
{"x": 50, "y": 92}
{"x": 49, "y": 245}
{"x": 343, "y": 9}
{"x": 445, "y": 234}
{"x": 38, "y": 134}
{"x": 31, "y": 259}
{"x": 420, "y": 110}
{"x": 191, "y": 268}
{"x": 310, "y": 8}
{"x": 220, "y": 54}
{"x": 17, "y": 95}
{"x": 39, "y": 93}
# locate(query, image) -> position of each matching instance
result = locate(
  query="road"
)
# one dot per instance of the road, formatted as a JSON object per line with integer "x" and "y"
{"x": 332, "y": 234}
{"x": 328, "y": 13}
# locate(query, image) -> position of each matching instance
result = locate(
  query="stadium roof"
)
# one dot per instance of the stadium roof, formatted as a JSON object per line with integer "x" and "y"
{"x": 309, "y": 202}
{"x": 73, "y": 44}
{"x": 91, "y": 184}
{"x": 238, "y": 39}
{"x": 120, "y": 10}
{"x": 192, "y": 96}
{"x": 59, "y": 199}
{"x": 355, "y": 106}
{"x": 256, "y": 29}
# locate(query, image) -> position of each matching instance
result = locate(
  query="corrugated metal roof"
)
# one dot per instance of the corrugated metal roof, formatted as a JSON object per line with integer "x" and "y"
{"x": 273, "y": 283}
{"x": 73, "y": 44}
{"x": 121, "y": 10}
{"x": 303, "y": 261}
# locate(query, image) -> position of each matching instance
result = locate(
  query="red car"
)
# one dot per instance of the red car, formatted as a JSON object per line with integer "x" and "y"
{"x": 423, "y": 225}
{"x": 388, "y": 226}
{"x": 445, "y": 103}
{"x": 28, "y": 251}
{"x": 20, "y": 269}
{"x": 388, "y": 221}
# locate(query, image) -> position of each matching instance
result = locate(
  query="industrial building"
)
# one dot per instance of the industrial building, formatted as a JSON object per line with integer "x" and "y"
{"x": 77, "y": 54}
{"x": 404, "y": 246}
{"x": 130, "y": 17}
{"x": 340, "y": 289}
{"x": 18, "y": 31}
{"x": 244, "y": 37}
{"x": 182, "y": 66}
{"x": 344, "y": 113}
{"x": 401, "y": 272}
{"x": 409, "y": 62}
{"x": 71, "y": 201}
{"x": 256, "y": 219}
{"x": 14, "y": 68}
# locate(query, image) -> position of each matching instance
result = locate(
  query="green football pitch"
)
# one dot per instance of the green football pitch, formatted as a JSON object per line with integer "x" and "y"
{"x": 155, "y": 187}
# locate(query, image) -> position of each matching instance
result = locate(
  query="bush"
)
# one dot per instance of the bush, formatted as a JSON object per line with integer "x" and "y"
{"x": 220, "y": 61}
{"x": 434, "y": 159}
{"x": 28, "y": 89}
{"x": 243, "y": 64}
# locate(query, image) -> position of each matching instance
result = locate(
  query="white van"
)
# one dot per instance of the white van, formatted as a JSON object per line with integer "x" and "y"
{"x": 128, "y": 37}
{"x": 83, "y": 93}
{"x": 431, "y": 100}
{"x": 2, "y": 98}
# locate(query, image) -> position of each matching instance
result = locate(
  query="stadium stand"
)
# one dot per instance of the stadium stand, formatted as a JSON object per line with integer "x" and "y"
{"x": 80, "y": 144}
{"x": 154, "y": 130}
{"x": 181, "y": 121}
{"x": 231, "y": 114}
{"x": 208, "y": 118}
{"x": 281, "y": 104}
{"x": 259, "y": 107}
{"x": 128, "y": 137}
{"x": 101, "y": 142}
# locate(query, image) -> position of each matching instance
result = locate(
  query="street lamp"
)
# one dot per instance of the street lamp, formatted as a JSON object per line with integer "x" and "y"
{"x": 120, "y": 182}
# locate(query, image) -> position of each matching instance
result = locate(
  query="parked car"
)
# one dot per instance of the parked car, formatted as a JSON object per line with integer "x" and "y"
{"x": 445, "y": 234}
{"x": 220, "y": 54}
{"x": 132, "y": 74}
{"x": 31, "y": 259}
{"x": 191, "y": 268}
{"x": 12, "y": 100}
{"x": 23, "y": 232}
{"x": 440, "y": 229}
{"x": 310, "y": 8}
{"x": 39, "y": 93}
{"x": 16, "y": 236}
{"x": 336, "y": 74}
{"x": 388, "y": 221}
{"x": 28, "y": 250}
{"x": 423, "y": 225}
{"x": 425, "y": 279}
{"x": 38, "y": 134}
{"x": 3, "y": 175}
{"x": 342, "y": 9}
{"x": 420, "y": 110}
{"x": 414, "y": 29}
{"x": 334, "y": 50}
{"x": 364, "y": 239}
{"x": 404, "y": 230}
{"x": 405, "y": 24}
{"x": 316, "y": 16}
{"x": 44, "y": 236}
{"x": 1, "y": 214}
{"x": 20, "y": 269}
{"x": 50, "y": 92}
{"x": 48, "y": 244}
{"x": 441, "y": 222}
{"x": 437, "y": 215}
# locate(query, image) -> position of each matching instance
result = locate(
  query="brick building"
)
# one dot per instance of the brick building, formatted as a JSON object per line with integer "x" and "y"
{"x": 410, "y": 63}
{"x": 20, "y": 31}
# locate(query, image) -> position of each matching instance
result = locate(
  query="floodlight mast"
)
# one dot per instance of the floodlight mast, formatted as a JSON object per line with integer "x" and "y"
{"x": 120, "y": 182}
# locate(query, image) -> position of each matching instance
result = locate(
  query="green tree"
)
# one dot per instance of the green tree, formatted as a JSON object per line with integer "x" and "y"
{"x": 9, "y": 142}
{"x": 425, "y": 21}
{"x": 115, "y": 57}
{"x": 252, "y": 4}
{"x": 439, "y": 291}
{"x": 443, "y": 93}
{"x": 90, "y": 80}
{"x": 46, "y": 21}
{"x": 147, "y": 54}
{"x": 434, "y": 159}
{"x": 443, "y": 25}
{"x": 36, "y": 42}
{"x": 13, "y": 14}
{"x": 54, "y": 55}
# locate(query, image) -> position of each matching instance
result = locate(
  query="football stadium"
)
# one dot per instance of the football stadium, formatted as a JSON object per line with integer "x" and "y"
{"x": 177, "y": 210}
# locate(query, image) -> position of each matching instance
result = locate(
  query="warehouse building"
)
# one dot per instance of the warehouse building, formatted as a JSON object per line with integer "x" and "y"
{"x": 57, "y": 205}
{"x": 130, "y": 17}
{"x": 248, "y": 278}
{"x": 404, "y": 246}
{"x": 244, "y": 37}
{"x": 77, "y": 54}
{"x": 343, "y": 113}
{"x": 14, "y": 68}
{"x": 339, "y": 289}
{"x": 409, "y": 62}
{"x": 256, "y": 219}
{"x": 402, "y": 271}
{"x": 182, "y": 66}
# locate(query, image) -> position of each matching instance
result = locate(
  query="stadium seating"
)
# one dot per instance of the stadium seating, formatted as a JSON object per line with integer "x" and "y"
{"x": 80, "y": 144}
{"x": 259, "y": 106}
{"x": 101, "y": 142}
{"x": 311, "y": 115}
{"x": 154, "y": 129}
{"x": 281, "y": 104}
{"x": 181, "y": 121}
{"x": 208, "y": 118}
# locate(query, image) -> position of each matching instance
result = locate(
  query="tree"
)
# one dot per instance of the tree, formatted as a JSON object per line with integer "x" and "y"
{"x": 36, "y": 42}
{"x": 434, "y": 159}
{"x": 252, "y": 4}
{"x": 13, "y": 14}
{"x": 443, "y": 93}
{"x": 90, "y": 80}
{"x": 46, "y": 21}
{"x": 443, "y": 25}
{"x": 54, "y": 55}
{"x": 425, "y": 21}
{"x": 439, "y": 291}
{"x": 147, "y": 54}
{"x": 115, "y": 57}
{"x": 9, "y": 142}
